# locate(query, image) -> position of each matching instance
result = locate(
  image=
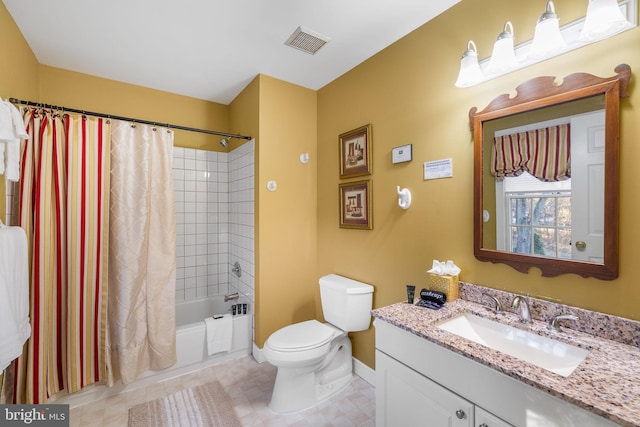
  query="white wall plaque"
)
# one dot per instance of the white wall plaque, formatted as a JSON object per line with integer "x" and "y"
{"x": 438, "y": 169}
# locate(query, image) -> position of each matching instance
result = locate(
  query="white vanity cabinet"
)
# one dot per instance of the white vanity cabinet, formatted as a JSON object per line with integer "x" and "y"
{"x": 406, "y": 398}
{"x": 420, "y": 383}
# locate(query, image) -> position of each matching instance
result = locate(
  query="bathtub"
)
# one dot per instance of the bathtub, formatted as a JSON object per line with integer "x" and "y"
{"x": 191, "y": 348}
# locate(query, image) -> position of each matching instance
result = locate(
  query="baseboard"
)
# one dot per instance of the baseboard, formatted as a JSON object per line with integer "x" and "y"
{"x": 257, "y": 354}
{"x": 364, "y": 372}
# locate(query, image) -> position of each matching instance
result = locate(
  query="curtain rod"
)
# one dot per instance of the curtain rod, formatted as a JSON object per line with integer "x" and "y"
{"x": 128, "y": 119}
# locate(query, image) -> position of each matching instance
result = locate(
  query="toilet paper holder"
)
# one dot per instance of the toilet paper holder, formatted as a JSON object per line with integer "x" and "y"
{"x": 404, "y": 197}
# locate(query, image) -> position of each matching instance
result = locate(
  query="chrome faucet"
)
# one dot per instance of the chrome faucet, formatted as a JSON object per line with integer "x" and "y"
{"x": 523, "y": 304}
{"x": 555, "y": 326}
{"x": 498, "y": 305}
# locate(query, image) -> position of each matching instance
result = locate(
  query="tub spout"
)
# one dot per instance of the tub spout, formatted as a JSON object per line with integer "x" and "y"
{"x": 230, "y": 297}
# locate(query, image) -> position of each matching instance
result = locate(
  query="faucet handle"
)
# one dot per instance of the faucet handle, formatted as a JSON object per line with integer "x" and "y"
{"x": 555, "y": 326}
{"x": 498, "y": 305}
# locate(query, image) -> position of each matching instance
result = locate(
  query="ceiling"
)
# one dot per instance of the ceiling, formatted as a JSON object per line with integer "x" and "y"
{"x": 211, "y": 49}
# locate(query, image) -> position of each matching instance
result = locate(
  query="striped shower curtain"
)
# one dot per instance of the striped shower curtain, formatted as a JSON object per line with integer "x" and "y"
{"x": 64, "y": 200}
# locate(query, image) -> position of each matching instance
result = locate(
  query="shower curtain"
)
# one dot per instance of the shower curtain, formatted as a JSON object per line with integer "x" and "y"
{"x": 142, "y": 265}
{"x": 96, "y": 202}
{"x": 64, "y": 197}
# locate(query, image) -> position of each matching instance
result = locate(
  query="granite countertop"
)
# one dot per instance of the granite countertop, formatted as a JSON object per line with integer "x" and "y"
{"x": 607, "y": 382}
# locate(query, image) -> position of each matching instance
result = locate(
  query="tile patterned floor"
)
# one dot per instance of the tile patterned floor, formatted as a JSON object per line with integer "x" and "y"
{"x": 249, "y": 385}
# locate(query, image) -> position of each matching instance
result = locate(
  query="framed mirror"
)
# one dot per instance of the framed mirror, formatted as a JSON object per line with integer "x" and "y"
{"x": 546, "y": 175}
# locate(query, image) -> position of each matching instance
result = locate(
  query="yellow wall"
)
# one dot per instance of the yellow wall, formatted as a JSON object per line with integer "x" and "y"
{"x": 286, "y": 243}
{"x": 407, "y": 93}
{"x": 90, "y": 93}
{"x": 244, "y": 114}
{"x": 282, "y": 118}
{"x": 18, "y": 75}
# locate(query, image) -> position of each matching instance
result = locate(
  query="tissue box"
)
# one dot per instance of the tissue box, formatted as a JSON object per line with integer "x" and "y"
{"x": 446, "y": 284}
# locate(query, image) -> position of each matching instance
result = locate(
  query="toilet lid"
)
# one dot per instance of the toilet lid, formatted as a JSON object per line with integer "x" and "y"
{"x": 301, "y": 336}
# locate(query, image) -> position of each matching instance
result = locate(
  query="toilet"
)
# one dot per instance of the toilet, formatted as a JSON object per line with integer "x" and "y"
{"x": 313, "y": 358}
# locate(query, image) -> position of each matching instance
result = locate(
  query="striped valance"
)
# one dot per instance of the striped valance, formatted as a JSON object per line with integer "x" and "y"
{"x": 545, "y": 153}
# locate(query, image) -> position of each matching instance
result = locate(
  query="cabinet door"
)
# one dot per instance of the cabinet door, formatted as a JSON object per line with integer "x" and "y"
{"x": 485, "y": 419}
{"x": 406, "y": 398}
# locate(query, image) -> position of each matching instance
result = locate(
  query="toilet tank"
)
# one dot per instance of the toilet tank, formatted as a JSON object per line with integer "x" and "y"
{"x": 346, "y": 303}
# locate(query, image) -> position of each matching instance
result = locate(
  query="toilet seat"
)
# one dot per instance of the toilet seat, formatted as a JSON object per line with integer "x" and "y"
{"x": 301, "y": 336}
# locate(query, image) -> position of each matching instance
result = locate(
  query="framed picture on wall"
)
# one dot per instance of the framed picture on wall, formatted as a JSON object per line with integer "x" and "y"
{"x": 355, "y": 205}
{"x": 355, "y": 152}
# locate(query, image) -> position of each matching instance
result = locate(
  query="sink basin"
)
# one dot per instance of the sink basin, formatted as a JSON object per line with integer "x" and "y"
{"x": 543, "y": 352}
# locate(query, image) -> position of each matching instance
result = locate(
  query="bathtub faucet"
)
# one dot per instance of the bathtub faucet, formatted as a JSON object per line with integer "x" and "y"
{"x": 236, "y": 269}
{"x": 230, "y": 297}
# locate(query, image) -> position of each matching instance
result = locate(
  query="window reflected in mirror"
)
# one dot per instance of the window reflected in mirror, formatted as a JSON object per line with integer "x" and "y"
{"x": 549, "y": 182}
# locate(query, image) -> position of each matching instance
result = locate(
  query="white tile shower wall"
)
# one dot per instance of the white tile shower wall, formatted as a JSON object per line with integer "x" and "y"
{"x": 208, "y": 214}
{"x": 241, "y": 219}
{"x": 201, "y": 193}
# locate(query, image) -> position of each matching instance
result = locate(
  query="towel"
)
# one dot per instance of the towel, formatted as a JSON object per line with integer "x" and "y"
{"x": 1, "y": 158}
{"x": 11, "y": 131}
{"x": 219, "y": 334}
{"x": 7, "y": 130}
{"x": 12, "y": 160}
{"x": 14, "y": 294}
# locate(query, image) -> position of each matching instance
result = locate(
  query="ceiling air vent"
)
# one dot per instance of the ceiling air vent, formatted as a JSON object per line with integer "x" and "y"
{"x": 306, "y": 41}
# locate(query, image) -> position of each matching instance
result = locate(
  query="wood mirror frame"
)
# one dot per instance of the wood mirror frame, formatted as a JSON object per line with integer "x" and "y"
{"x": 538, "y": 93}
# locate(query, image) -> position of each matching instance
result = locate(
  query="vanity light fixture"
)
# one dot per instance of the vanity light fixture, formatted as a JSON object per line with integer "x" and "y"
{"x": 604, "y": 19}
